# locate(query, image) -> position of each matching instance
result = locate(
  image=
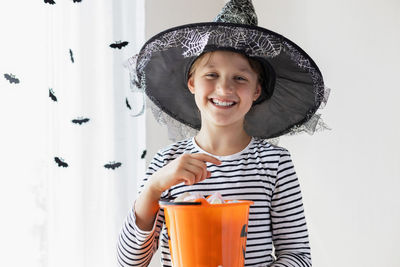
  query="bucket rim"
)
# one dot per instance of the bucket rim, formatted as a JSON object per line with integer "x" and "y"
{"x": 169, "y": 202}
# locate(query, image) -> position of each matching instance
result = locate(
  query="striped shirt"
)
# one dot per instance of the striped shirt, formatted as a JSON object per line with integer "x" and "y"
{"x": 277, "y": 232}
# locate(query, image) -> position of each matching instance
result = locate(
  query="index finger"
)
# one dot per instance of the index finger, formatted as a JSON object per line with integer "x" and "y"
{"x": 206, "y": 158}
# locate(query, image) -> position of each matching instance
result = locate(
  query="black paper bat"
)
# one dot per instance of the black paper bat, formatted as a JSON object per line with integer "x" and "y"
{"x": 127, "y": 103}
{"x": 60, "y": 162}
{"x": 52, "y": 95}
{"x": 11, "y": 78}
{"x": 51, "y": 2}
{"x": 77, "y": 1}
{"x": 112, "y": 165}
{"x": 143, "y": 154}
{"x": 71, "y": 55}
{"x": 119, "y": 44}
{"x": 80, "y": 120}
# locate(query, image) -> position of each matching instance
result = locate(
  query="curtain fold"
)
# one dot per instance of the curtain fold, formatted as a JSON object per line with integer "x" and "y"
{"x": 66, "y": 205}
{"x": 92, "y": 130}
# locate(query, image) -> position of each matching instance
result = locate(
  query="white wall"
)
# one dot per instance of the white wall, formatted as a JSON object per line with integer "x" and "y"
{"x": 350, "y": 175}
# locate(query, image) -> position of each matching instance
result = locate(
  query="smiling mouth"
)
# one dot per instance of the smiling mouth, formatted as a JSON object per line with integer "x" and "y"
{"x": 221, "y": 103}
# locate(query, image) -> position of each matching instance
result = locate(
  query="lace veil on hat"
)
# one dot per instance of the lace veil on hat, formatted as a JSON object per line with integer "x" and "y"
{"x": 294, "y": 91}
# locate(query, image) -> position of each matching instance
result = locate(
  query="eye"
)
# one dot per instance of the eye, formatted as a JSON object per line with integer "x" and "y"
{"x": 240, "y": 78}
{"x": 211, "y": 75}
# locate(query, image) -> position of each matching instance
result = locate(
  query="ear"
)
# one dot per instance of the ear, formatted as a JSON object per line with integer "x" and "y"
{"x": 257, "y": 93}
{"x": 190, "y": 84}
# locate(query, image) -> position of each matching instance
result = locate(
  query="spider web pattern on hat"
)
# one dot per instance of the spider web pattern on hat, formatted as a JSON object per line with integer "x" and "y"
{"x": 192, "y": 40}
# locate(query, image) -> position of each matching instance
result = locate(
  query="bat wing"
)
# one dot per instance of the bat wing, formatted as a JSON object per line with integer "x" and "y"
{"x": 60, "y": 162}
{"x": 109, "y": 166}
{"x": 11, "y": 78}
{"x": 119, "y": 45}
{"x": 112, "y": 165}
{"x": 52, "y": 96}
{"x": 124, "y": 43}
{"x": 80, "y": 121}
{"x": 14, "y": 80}
{"x": 127, "y": 103}
{"x": 8, "y": 77}
{"x": 71, "y": 55}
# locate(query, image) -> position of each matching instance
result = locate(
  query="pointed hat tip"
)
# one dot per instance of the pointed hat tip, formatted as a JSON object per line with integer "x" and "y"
{"x": 238, "y": 11}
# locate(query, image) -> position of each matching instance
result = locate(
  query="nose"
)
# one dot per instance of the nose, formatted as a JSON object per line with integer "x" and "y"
{"x": 225, "y": 86}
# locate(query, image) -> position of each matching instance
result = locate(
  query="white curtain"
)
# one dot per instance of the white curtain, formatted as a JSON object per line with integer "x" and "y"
{"x": 70, "y": 150}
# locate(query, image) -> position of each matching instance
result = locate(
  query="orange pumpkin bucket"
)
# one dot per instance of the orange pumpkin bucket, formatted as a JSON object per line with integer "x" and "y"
{"x": 207, "y": 235}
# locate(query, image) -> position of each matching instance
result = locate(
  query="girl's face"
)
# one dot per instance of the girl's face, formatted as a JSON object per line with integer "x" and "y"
{"x": 224, "y": 86}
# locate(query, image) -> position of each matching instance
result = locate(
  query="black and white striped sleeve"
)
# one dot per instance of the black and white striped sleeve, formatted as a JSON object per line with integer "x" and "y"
{"x": 289, "y": 229}
{"x": 136, "y": 247}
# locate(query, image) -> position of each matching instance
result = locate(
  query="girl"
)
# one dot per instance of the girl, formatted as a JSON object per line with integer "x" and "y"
{"x": 248, "y": 84}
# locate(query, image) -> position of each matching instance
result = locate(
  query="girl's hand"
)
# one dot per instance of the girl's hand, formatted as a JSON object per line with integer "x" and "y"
{"x": 187, "y": 168}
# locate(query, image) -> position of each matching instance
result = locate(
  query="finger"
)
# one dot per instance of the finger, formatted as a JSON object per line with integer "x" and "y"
{"x": 200, "y": 159}
{"x": 188, "y": 177}
{"x": 199, "y": 170}
{"x": 205, "y": 173}
{"x": 202, "y": 168}
{"x": 196, "y": 160}
{"x": 206, "y": 158}
{"x": 202, "y": 175}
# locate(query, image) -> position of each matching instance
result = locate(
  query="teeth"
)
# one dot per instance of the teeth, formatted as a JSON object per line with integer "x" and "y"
{"x": 222, "y": 103}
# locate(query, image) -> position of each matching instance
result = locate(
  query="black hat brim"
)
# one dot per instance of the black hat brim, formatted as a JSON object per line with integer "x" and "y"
{"x": 298, "y": 87}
